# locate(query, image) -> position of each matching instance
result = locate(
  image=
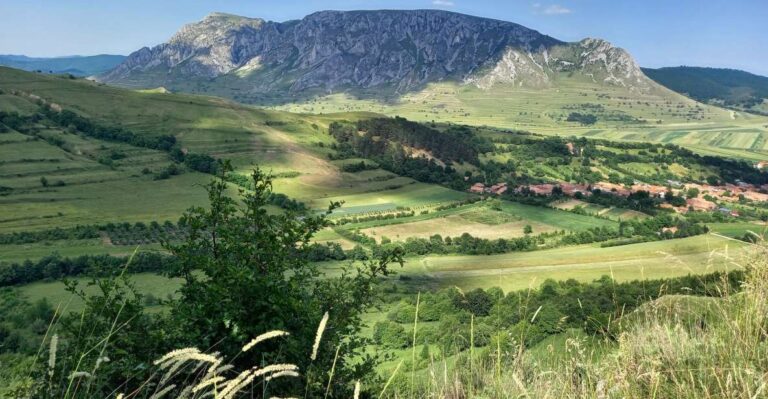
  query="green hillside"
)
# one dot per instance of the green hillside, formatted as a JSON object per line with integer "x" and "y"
{"x": 730, "y": 87}
{"x": 659, "y": 115}
{"x": 126, "y": 188}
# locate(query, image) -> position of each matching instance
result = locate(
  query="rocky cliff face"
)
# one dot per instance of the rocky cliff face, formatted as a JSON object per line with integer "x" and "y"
{"x": 393, "y": 51}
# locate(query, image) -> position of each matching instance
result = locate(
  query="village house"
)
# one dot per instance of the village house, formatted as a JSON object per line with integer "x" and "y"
{"x": 756, "y": 196}
{"x": 611, "y": 188}
{"x": 671, "y": 230}
{"x": 541, "y": 189}
{"x": 477, "y": 188}
{"x": 499, "y": 188}
{"x": 656, "y": 191}
{"x": 734, "y": 188}
{"x": 571, "y": 189}
{"x": 573, "y": 149}
{"x": 700, "y": 204}
{"x": 762, "y": 165}
{"x": 727, "y": 198}
{"x": 480, "y": 188}
{"x": 674, "y": 183}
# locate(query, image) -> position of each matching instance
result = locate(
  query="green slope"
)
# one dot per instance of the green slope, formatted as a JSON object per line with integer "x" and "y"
{"x": 727, "y": 86}
{"x": 294, "y": 147}
{"x": 660, "y": 115}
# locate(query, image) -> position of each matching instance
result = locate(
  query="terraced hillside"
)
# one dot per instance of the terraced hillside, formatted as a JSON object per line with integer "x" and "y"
{"x": 90, "y": 180}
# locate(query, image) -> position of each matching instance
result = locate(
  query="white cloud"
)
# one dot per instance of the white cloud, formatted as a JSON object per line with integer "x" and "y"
{"x": 553, "y": 9}
{"x": 443, "y": 3}
{"x": 556, "y": 9}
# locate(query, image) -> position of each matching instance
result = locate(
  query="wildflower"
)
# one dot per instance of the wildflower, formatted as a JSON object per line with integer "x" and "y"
{"x": 264, "y": 337}
{"x": 275, "y": 368}
{"x": 287, "y": 373}
{"x": 319, "y": 336}
{"x": 207, "y": 383}
{"x": 80, "y": 374}
{"x": 52, "y": 354}
{"x": 236, "y": 384}
{"x": 175, "y": 354}
{"x": 163, "y": 392}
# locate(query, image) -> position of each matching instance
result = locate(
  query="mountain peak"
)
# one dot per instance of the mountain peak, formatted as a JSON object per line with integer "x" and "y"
{"x": 219, "y": 15}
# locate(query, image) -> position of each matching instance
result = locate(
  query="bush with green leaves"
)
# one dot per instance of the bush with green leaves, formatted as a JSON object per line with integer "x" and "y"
{"x": 391, "y": 335}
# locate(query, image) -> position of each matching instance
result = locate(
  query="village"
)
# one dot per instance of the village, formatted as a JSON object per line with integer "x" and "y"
{"x": 698, "y": 197}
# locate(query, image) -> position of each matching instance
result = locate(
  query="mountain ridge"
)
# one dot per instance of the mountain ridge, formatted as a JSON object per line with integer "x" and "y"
{"x": 391, "y": 51}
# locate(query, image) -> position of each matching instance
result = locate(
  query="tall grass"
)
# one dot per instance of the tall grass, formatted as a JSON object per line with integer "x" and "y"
{"x": 190, "y": 373}
{"x": 674, "y": 347}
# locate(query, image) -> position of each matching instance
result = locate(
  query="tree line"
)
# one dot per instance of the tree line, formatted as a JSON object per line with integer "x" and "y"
{"x": 530, "y": 316}
{"x": 56, "y": 267}
{"x": 661, "y": 227}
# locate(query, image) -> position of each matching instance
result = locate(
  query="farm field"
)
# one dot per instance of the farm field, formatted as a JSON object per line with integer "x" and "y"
{"x": 454, "y": 226}
{"x": 480, "y": 221}
{"x": 594, "y": 209}
{"x": 514, "y": 271}
{"x": 737, "y": 230}
{"x": 56, "y": 294}
{"x": 476, "y": 219}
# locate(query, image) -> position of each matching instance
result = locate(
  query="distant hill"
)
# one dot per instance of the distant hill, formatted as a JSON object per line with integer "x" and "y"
{"x": 75, "y": 65}
{"x": 730, "y": 87}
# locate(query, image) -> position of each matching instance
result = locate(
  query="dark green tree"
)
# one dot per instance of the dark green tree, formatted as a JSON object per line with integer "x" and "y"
{"x": 246, "y": 272}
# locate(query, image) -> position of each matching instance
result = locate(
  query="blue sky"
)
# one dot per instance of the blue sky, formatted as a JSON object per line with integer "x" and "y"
{"x": 715, "y": 33}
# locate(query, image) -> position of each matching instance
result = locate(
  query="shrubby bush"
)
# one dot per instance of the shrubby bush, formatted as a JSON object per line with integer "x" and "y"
{"x": 391, "y": 335}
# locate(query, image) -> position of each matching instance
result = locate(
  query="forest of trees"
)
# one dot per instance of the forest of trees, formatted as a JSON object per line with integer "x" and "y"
{"x": 391, "y": 155}
{"x": 455, "y": 143}
{"x": 584, "y": 119}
